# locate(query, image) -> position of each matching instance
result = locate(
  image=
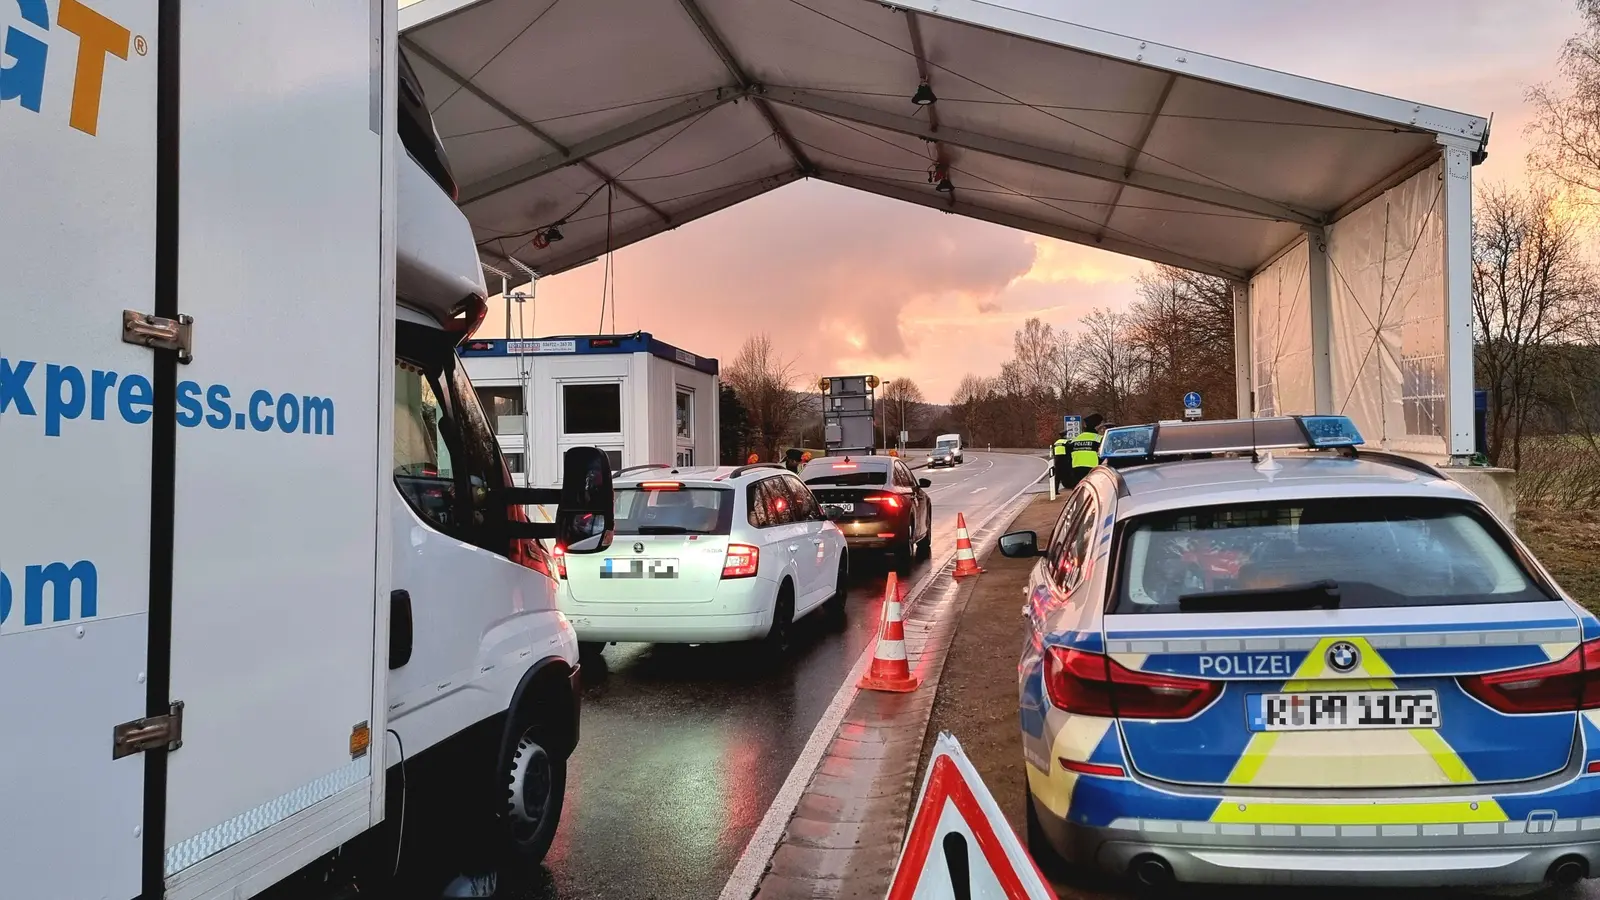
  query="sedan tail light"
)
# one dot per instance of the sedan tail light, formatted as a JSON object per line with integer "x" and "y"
{"x": 742, "y": 561}
{"x": 561, "y": 561}
{"x": 1569, "y": 684}
{"x": 889, "y": 500}
{"x": 1093, "y": 684}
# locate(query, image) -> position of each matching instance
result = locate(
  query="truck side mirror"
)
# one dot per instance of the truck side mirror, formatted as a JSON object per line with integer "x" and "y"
{"x": 586, "y": 515}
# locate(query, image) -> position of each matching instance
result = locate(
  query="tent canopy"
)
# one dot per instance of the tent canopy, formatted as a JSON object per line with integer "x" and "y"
{"x": 614, "y": 120}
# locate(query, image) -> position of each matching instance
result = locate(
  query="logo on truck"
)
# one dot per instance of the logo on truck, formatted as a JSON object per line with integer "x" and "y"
{"x": 29, "y": 52}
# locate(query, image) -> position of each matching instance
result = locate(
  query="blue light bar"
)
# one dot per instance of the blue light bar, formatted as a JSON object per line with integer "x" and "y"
{"x": 1331, "y": 431}
{"x": 1129, "y": 440}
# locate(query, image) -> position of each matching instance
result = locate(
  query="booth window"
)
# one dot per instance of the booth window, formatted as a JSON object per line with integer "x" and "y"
{"x": 514, "y": 462}
{"x": 685, "y": 415}
{"x": 591, "y": 408}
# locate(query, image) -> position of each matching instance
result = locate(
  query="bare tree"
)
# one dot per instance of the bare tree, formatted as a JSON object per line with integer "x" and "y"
{"x": 762, "y": 379}
{"x": 1181, "y": 333}
{"x": 1566, "y": 127}
{"x": 1533, "y": 291}
{"x": 903, "y": 405}
{"x": 1107, "y": 362}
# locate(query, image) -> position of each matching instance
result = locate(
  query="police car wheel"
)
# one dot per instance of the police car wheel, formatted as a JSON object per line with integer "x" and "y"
{"x": 1044, "y": 854}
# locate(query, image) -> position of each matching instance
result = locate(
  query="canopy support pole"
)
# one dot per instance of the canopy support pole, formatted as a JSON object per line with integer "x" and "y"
{"x": 1243, "y": 356}
{"x": 1458, "y": 414}
{"x": 1321, "y": 305}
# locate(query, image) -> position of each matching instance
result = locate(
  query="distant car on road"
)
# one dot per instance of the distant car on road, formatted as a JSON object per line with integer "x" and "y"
{"x": 951, "y": 445}
{"x": 876, "y": 502}
{"x": 706, "y": 555}
{"x": 941, "y": 458}
{"x": 1332, "y": 667}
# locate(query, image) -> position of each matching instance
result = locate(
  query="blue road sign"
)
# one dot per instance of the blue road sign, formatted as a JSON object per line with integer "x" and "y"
{"x": 1191, "y": 400}
{"x": 1072, "y": 425}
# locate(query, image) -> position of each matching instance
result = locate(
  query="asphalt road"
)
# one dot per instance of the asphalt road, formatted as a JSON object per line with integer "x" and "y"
{"x": 684, "y": 748}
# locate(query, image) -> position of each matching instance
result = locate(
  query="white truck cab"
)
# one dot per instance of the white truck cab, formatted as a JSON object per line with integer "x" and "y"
{"x": 260, "y": 560}
{"x": 951, "y": 442}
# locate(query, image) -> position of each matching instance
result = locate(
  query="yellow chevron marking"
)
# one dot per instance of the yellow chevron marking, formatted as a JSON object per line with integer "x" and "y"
{"x": 1450, "y": 763}
{"x": 1255, "y": 753}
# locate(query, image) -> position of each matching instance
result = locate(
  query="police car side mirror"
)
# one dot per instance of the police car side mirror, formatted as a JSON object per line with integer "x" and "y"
{"x": 1020, "y": 545}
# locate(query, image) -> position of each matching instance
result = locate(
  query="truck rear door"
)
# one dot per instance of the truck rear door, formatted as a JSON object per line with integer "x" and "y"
{"x": 77, "y": 247}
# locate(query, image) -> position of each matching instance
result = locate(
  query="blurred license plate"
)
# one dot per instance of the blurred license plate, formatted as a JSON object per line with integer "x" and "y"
{"x": 639, "y": 568}
{"x": 845, "y": 508}
{"x": 1343, "y": 710}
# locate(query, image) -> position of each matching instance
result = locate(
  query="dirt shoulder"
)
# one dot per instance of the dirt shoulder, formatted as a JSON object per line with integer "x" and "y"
{"x": 1568, "y": 543}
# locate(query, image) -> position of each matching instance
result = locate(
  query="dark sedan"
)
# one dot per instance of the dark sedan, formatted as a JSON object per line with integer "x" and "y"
{"x": 876, "y": 502}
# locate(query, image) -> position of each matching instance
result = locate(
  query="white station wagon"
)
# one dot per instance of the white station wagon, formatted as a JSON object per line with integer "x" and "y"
{"x": 706, "y": 555}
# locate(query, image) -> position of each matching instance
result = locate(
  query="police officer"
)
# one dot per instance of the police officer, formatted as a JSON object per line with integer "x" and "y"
{"x": 1060, "y": 453}
{"x": 1086, "y": 448}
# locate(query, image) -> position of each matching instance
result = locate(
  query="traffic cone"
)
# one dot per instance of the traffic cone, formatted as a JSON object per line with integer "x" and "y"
{"x": 966, "y": 562}
{"x": 889, "y": 670}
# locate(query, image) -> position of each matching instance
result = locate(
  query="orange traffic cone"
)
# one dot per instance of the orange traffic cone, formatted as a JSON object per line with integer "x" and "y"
{"x": 966, "y": 562}
{"x": 889, "y": 670}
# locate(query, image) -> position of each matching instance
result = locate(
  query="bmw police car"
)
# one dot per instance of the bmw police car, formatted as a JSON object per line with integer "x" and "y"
{"x": 1322, "y": 665}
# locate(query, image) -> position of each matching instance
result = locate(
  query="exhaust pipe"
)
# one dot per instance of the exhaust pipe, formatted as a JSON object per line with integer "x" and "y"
{"x": 1568, "y": 870}
{"x": 1151, "y": 871}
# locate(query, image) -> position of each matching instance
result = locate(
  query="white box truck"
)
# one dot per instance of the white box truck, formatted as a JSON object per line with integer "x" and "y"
{"x": 259, "y": 549}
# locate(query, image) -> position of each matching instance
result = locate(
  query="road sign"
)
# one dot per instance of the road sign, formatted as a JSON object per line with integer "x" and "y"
{"x": 959, "y": 844}
{"x": 1072, "y": 425}
{"x": 905, "y": 437}
{"x": 1192, "y": 412}
{"x": 1191, "y": 400}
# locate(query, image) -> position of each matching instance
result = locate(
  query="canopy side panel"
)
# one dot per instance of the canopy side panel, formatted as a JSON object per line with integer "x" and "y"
{"x": 1280, "y": 312}
{"x": 1387, "y": 292}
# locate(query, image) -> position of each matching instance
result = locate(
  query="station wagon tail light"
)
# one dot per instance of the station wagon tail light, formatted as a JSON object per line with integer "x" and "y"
{"x": 561, "y": 561}
{"x": 661, "y": 485}
{"x": 888, "y": 500}
{"x": 742, "y": 561}
{"x": 1569, "y": 684}
{"x": 1093, "y": 684}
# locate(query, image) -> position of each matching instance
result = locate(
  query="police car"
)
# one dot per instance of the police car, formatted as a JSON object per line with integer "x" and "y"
{"x": 1260, "y": 654}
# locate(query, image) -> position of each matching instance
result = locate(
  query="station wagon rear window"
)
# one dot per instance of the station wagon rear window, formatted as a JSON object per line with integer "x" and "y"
{"x": 1329, "y": 553}
{"x": 847, "y": 477}
{"x": 684, "y": 511}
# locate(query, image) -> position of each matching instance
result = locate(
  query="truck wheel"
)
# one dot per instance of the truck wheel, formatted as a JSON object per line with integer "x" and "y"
{"x": 535, "y": 781}
{"x": 589, "y": 651}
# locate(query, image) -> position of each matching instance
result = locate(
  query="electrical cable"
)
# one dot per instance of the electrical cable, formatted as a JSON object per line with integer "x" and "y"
{"x": 771, "y": 137}
{"x": 490, "y": 61}
{"x": 588, "y": 112}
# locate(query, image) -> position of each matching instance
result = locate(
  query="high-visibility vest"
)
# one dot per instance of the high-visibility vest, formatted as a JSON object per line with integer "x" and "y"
{"x": 1086, "y": 450}
{"x": 1061, "y": 447}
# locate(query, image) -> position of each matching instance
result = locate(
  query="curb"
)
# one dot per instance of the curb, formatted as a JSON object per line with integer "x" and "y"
{"x": 844, "y": 835}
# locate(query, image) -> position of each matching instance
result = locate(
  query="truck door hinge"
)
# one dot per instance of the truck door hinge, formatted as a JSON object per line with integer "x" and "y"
{"x": 149, "y": 733}
{"x": 160, "y": 334}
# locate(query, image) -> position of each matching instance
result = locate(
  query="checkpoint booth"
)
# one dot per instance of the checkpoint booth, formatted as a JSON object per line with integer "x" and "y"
{"x": 637, "y": 398}
{"x": 1341, "y": 216}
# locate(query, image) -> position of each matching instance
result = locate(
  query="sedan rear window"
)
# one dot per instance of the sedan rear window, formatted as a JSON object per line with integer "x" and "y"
{"x": 681, "y": 511}
{"x": 1345, "y": 552}
{"x": 845, "y": 477}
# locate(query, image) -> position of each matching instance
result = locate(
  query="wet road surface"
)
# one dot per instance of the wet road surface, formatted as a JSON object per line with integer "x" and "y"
{"x": 684, "y": 748}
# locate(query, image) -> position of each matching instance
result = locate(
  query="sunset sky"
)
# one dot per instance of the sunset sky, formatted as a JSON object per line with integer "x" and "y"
{"x": 851, "y": 283}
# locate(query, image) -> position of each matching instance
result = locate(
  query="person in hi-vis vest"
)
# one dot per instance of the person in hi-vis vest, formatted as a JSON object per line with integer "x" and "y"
{"x": 1060, "y": 461}
{"x": 1086, "y": 448}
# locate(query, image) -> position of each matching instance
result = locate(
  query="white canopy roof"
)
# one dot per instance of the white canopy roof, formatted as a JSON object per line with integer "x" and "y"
{"x": 618, "y": 119}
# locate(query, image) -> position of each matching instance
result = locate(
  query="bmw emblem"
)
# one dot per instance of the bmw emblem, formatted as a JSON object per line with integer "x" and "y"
{"x": 1343, "y": 656}
{"x": 639, "y": 548}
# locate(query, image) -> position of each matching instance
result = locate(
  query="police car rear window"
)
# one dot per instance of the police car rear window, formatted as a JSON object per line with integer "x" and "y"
{"x": 1354, "y": 552}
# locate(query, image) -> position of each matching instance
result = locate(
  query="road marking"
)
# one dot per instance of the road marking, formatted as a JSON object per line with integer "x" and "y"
{"x": 752, "y": 864}
{"x": 980, "y": 489}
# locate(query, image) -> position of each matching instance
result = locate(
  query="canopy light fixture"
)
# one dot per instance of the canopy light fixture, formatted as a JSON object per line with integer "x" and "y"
{"x": 553, "y": 233}
{"x": 939, "y": 177}
{"x": 944, "y": 186}
{"x": 924, "y": 95}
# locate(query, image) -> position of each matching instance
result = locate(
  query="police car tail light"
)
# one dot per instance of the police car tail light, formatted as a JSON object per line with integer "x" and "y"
{"x": 1569, "y": 684}
{"x": 1093, "y": 684}
{"x": 742, "y": 561}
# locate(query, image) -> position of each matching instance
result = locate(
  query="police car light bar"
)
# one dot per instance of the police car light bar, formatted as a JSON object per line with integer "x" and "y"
{"x": 1229, "y": 436}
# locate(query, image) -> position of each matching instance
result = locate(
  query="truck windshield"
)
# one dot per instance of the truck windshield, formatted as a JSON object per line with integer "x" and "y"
{"x": 1357, "y": 552}
{"x": 949, "y": 444}
{"x": 683, "y": 511}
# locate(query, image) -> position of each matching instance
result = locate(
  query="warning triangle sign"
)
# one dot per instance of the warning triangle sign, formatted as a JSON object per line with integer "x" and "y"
{"x": 959, "y": 846}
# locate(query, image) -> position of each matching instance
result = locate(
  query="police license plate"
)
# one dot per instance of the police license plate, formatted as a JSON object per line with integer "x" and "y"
{"x": 638, "y": 567}
{"x": 1343, "y": 710}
